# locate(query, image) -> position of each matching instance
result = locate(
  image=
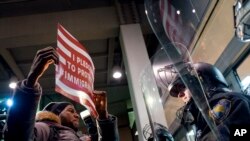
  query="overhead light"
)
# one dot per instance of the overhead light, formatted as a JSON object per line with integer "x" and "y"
{"x": 117, "y": 72}
{"x": 178, "y": 12}
{"x": 117, "y": 75}
{"x": 12, "y": 85}
{"x": 13, "y": 82}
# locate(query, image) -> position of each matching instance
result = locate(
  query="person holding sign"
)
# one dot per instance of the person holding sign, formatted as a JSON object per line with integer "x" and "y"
{"x": 58, "y": 120}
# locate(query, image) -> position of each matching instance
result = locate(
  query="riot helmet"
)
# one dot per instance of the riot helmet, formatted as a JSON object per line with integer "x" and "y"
{"x": 210, "y": 76}
{"x": 163, "y": 79}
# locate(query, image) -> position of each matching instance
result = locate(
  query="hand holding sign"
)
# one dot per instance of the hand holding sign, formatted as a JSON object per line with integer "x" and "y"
{"x": 41, "y": 62}
{"x": 100, "y": 100}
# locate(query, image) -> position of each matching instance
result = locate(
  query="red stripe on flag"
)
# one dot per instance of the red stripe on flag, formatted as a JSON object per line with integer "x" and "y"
{"x": 175, "y": 29}
{"x": 73, "y": 40}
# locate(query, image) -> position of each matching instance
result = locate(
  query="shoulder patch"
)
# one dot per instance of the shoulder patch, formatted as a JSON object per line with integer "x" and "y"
{"x": 221, "y": 110}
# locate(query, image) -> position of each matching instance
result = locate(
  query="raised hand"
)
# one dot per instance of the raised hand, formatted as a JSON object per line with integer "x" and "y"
{"x": 100, "y": 100}
{"x": 41, "y": 62}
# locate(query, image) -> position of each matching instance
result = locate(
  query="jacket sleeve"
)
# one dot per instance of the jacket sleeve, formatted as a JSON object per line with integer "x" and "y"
{"x": 108, "y": 129}
{"x": 21, "y": 116}
{"x": 237, "y": 113}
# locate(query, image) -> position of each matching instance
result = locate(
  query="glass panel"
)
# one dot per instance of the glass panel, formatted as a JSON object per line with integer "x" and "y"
{"x": 244, "y": 74}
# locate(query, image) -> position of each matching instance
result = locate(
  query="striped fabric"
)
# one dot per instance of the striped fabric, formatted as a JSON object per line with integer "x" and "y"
{"x": 75, "y": 71}
{"x": 177, "y": 29}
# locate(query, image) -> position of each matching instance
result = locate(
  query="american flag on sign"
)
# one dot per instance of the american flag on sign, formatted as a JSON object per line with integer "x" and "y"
{"x": 75, "y": 71}
{"x": 176, "y": 29}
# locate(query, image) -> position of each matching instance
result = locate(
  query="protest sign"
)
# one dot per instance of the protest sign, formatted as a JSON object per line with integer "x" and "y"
{"x": 75, "y": 71}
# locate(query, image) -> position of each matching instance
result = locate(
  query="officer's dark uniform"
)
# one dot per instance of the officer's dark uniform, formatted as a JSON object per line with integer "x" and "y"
{"x": 228, "y": 109}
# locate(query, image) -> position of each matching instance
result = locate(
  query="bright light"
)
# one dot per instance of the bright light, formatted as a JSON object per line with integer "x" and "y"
{"x": 9, "y": 102}
{"x": 117, "y": 72}
{"x": 117, "y": 75}
{"x": 178, "y": 12}
{"x": 12, "y": 85}
{"x": 150, "y": 101}
{"x": 193, "y": 11}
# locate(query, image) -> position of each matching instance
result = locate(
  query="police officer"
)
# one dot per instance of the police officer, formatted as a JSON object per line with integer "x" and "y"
{"x": 209, "y": 105}
{"x": 227, "y": 108}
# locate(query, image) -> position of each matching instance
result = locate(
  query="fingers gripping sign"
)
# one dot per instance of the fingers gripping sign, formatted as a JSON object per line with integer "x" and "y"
{"x": 100, "y": 100}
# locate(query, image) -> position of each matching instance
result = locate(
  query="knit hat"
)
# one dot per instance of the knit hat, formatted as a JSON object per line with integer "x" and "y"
{"x": 56, "y": 107}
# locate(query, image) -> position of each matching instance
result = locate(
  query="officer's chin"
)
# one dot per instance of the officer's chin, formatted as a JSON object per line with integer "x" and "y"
{"x": 187, "y": 102}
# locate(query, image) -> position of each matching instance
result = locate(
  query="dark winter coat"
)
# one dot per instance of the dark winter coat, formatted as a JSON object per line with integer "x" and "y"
{"x": 228, "y": 109}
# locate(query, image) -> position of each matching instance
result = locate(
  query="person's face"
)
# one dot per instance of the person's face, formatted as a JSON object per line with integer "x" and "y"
{"x": 184, "y": 95}
{"x": 69, "y": 117}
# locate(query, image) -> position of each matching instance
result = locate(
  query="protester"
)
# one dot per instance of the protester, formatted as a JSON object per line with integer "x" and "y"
{"x": 58, "y": 120}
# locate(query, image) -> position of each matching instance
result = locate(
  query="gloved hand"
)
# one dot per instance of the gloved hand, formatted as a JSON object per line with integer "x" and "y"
{"x": 41, "y": 62}
{"x": 100, "y": 101}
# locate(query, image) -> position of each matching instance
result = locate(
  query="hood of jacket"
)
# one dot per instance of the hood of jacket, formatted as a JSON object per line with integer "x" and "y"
{"x": 47, "y": 116}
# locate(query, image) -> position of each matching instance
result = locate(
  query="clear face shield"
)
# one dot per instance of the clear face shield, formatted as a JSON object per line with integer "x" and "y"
{"x": 174, "y": 98}
{"x": 170, "y": 84}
